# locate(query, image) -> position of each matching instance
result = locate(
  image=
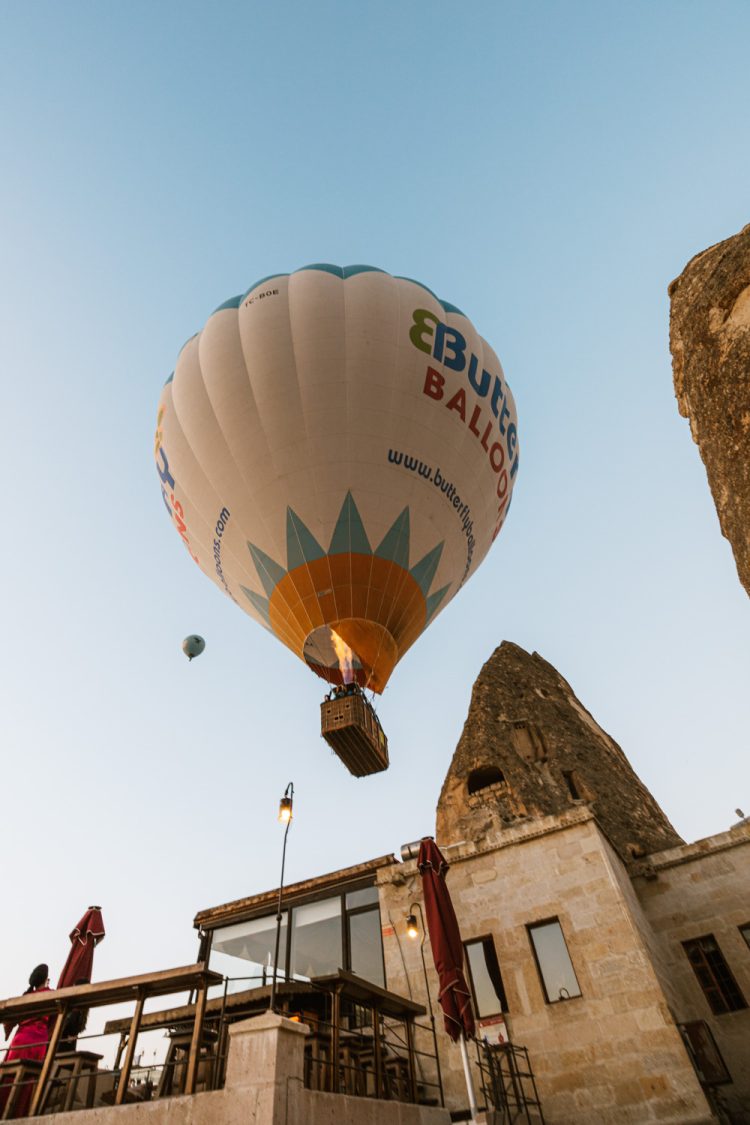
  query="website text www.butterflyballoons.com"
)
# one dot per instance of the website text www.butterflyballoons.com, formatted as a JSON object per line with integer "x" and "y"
{"x": 448, "y": 489}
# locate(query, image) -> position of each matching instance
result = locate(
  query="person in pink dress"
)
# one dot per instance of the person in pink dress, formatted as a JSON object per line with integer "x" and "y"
{"x": 31, "y": 1039}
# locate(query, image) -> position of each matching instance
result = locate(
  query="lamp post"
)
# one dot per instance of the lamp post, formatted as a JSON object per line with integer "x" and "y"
{"x": 285, "y": 817}
{"x": 412, "y": 929}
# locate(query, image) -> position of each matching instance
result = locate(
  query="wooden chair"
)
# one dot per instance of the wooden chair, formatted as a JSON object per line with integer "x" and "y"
{"x": 396, "y": 1070}
{"x": 317, "y": 1060}
{"x": 357, "y": 1065}
{"x": 70, "y": 1070}
{"x": 17, "y": 1080}
{"x": 175, "y": 1066}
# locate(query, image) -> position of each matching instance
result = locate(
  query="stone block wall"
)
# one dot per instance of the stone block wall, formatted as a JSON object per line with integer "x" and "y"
{"x": 693, "y": 891}
{"x": 264, "y": 1086}
{"x": 611, "y": 1056}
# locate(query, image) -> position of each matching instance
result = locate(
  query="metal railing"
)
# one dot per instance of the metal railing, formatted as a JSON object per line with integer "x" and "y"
{"x": 508, "y": 1083}
{"x": 67, "y": 1074}
{"x": 352, "y": 1047}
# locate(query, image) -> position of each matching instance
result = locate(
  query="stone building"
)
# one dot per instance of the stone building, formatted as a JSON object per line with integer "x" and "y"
{"x": 618, "y": 955}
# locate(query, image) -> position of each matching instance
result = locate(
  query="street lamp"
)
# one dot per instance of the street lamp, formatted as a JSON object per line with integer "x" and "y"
{"x": 285, "y": 809}
{"x": 413, "y": 931}
{"x": 285, "y": 817}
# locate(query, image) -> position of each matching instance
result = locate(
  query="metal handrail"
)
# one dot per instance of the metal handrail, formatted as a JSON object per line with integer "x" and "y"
{"x": 508, "y": 1082}
{"x": 402, "y": 1070}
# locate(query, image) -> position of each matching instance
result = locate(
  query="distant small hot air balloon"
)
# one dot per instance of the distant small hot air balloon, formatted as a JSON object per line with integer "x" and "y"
{"x": 193, "y": 646}
{"x": 337, "y": 449}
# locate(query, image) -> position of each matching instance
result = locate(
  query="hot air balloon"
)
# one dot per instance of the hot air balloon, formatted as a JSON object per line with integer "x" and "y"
{"x": 193, "y": 646}
{"x": 337, "y": 449}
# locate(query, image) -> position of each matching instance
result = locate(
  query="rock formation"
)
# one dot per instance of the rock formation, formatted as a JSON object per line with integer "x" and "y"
{"x": 529, "y": 749}
{"x": 710, "y": 342}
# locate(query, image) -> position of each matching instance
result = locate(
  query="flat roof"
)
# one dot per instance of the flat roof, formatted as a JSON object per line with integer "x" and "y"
{"x": 242, "y": 908}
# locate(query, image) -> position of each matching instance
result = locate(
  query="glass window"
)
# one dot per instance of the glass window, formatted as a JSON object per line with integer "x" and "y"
{"x": 745, "y": 931}
{"x": 366, "y": 946}
{"x": 316, "y": 939}
{"x": 366, "y": 897}
{"x": 486, "y": 981}
{"x": 705, "y": 1054}
{"x": 244, "y": 952}
{"x": 319, "y": 944}
{"x": 714, "y": 975}
{"x": 553, "y": 961}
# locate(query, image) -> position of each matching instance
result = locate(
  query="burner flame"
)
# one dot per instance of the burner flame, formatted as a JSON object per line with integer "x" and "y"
{"x": 345, "y": 657}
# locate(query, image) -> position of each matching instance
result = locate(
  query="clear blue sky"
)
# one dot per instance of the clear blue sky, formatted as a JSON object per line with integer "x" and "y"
{"x": 549, "y": 168}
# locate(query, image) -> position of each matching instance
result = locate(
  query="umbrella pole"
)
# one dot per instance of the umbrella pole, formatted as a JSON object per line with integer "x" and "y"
{"x": 469, "y": 1080}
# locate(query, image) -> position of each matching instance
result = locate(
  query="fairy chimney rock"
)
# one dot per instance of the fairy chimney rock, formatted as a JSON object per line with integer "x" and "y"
{"x": 530, "y": 749}
{"x": 709, "y": 331}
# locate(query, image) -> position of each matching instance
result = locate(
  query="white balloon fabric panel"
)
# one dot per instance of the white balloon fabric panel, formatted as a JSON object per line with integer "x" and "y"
{"x": 337, "y": 449}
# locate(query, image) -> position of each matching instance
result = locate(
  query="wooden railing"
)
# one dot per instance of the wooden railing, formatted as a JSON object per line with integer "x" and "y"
{"x": 57, "y": 1005}
{"x": 362, "y": 1040}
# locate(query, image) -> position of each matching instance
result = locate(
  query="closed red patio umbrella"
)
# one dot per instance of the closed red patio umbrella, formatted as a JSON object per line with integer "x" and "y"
{"x": 445, "y": 939}
{"x": 447, "y": 953}
{"x": 77, "y": 970}
{"x": 84, "y": 937}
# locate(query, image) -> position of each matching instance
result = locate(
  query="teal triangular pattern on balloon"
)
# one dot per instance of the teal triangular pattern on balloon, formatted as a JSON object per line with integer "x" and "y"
{"x": 301, "y": 544}
{"x": 395, "y": 545}
{"x": 434, "y": 601}
{"x": 349, "y": 535}
{"x": 259, "y": 602}
{"x": 424, "y": 571}
{"x": 269, "y": 572}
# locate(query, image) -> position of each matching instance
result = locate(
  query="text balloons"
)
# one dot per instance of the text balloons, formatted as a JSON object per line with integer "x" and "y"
{"x": 337, "y": 450}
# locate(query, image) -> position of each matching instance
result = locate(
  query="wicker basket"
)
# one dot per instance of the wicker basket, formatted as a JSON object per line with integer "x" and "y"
{"x": 352, "y": 730}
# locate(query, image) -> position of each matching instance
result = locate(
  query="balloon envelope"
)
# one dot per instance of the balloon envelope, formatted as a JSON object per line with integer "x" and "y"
{"x": 193, "y": 646}
{"x": 337, "y": 450}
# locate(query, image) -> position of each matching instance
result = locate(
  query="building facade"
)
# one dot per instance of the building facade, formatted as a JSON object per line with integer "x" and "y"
{"x": 618, "y": 955}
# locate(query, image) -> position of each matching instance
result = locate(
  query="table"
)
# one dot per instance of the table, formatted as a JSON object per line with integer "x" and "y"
{"x": 380, "y": 1002}
{"x": 343, "y": 1058}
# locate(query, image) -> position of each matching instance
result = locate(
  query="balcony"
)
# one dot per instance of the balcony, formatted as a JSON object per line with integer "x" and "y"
{"x": 335, "y": 1037}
